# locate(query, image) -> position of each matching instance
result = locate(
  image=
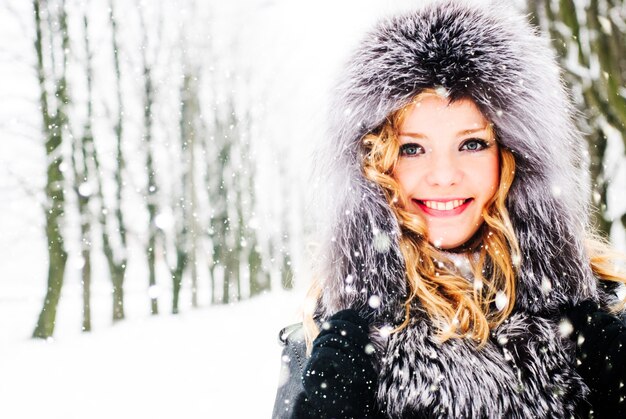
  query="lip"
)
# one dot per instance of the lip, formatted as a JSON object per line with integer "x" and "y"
{"x": 443, "y": 213}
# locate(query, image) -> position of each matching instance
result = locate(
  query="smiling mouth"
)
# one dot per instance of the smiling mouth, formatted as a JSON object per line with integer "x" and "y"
{"x": 443, "y": 208}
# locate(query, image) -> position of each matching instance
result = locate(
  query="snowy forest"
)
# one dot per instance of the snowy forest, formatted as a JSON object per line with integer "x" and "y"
{"x": 157, "y": 203}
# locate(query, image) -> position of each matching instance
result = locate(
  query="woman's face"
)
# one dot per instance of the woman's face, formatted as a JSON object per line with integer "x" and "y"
{"x": 448, "y": 167}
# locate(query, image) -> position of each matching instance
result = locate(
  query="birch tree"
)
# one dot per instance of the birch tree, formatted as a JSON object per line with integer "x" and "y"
{"x": 114, "y": 241}
{"x": 185, "y": 240}
{"x": 82, "y": 158}
{"x": 151, "y": 191}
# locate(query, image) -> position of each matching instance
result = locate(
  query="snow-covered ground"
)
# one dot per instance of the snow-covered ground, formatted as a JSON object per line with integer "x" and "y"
{"x": 216, "y": 362}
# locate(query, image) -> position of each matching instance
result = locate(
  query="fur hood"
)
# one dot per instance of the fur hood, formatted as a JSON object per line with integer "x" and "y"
{"x": 491, "y": 54}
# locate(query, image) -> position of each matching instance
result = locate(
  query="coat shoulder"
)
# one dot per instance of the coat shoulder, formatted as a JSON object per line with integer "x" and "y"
{"x": 293, "y": 360}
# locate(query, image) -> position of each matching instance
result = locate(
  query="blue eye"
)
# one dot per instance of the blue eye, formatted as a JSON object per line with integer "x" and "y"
{"x": 474, "y": 144}
{"x": 411, "y": 149}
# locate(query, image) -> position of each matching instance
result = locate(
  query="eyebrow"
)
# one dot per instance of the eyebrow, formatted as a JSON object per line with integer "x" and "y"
{"x": 464, "y": 132}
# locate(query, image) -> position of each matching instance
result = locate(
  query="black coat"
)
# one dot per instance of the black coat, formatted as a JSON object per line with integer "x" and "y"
{"x": 600, "y": 359}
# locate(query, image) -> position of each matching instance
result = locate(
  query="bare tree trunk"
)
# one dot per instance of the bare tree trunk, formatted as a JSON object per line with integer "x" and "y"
{"x": 236, "y": 254}
{"x": 151, "y": 193}
{"x": 185, "y": 240}
{"x": 228, "y": 218}
{"x": 53, "y": 126}
{"x": 218, "y": 187}
{"x": 180, "y": 204}
{"x": 117, "y": 264}
{"x": 192, "y": 209}
{"x": 286, "y": 272}
{"x": 177, "y": 279}
{"x": 83, "y": 149}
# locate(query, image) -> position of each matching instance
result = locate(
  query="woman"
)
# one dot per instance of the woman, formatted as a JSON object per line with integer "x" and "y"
{"x": 459, "y": 277}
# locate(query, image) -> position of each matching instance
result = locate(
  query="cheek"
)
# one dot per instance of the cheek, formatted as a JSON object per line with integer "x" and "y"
{"x": 484, "y": 176}
{"x": 407, "y": 177}
{"x": 492, "y": 174}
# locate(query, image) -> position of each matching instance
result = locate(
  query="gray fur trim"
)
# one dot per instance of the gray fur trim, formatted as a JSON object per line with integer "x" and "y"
{"x": 523, "y": 372}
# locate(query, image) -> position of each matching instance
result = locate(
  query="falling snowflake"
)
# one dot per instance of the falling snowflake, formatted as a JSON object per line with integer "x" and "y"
{"x": 374, "y": 301}
{"x": 385, "y": 331}
{"x": 501, "y": 300}
{"x": 79, "y": 262}
{"x": 478, "y": 284}
{"x": 164, "y": 220}
{"x": 442, "y": 91}
{"x": 154, "y": 291}
{"x": 565, "y": 328}
{"x": 85, "y": 189}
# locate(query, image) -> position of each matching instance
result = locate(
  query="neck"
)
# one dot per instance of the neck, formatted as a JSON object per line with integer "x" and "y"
{"x": 470, "y": 246}
{"x": 462, "y": 261}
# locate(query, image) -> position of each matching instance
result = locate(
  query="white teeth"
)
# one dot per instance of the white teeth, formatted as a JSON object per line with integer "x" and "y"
{"x": 444, "y": 206}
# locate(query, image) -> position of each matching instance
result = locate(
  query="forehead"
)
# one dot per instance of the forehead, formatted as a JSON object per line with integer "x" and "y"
{"x": 432, "y": 112}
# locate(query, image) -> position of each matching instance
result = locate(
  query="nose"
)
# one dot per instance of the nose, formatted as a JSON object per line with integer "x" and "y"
{"x": 443, "y": 170}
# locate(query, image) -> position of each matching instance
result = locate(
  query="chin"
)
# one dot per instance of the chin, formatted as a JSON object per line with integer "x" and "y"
{"x": 446, "y": 244}
{"x": 456, "y": 243}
